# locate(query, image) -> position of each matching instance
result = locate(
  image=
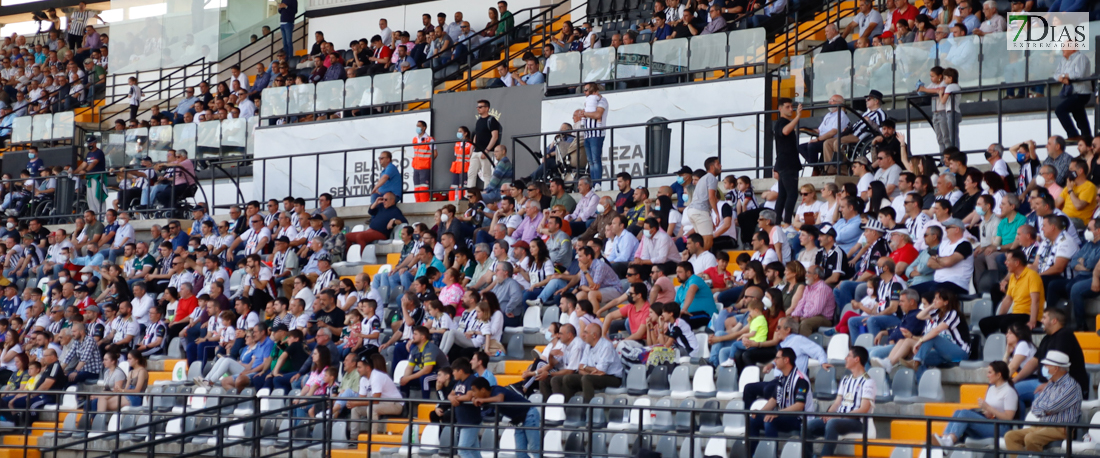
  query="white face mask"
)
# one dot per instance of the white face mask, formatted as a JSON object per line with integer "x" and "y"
{"x": 648, "y": 234}
{"x": 767, "y": 302}
{"x": 549, "y": 335}
{"x": 85, "y": 277}
{"x": 599, "y": 208}
{"x": 1089, "y": 237}
{"x": 445, "y": 217}
{"x": 11, "y": 226}
{"x": 985, "y": 186}
{"x": 1040, "y": 181}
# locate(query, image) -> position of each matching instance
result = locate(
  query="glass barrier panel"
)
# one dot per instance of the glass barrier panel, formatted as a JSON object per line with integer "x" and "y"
{"x": 184, "y": 136}
{"x": 43, "y": 127}
{"x": 234, "y": 132}
{"x": 632, "y": 61}
{"x": 1041, "y": 66}
{"x": 114, "y": 149}
{"x": 418, "y": 85}
{"x": 912, "y": 61}
{"x": 798, "y": 76}
{"x": 387, "y": 88}
{"x": 598, "y": 64}
{"x": 961, "y": 53}
{"x": 160, "y": 141}
{"x": 209, "y": 134}
{"x": 669, "y": 56}
{"x": 564, "y": 69}
{"x": 357, "y": 92}
{"x": 273, "y": 102}
{"x": 708, "y": 51}
{"x": 251, "y": 145}
{"x": 873, "y": 69}
{"x": 63, "y": 124}
{"x": 21, "y": 128}
{"x": 301, "y": 99}
{"x": 748, "y": 47}
{"x": 832, "y": 75}
{"x": 330, "y": 95}
{"x": 137, "y": 141}
{"x": 996, "y": 59}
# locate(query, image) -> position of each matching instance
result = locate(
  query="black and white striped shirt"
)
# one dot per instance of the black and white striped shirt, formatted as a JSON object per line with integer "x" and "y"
{"x": 323, "y": 281}
{"x": 793, "y": 388}
{"x": 271, "y": 218}
{"x": 952, "y": 332}
{"x": 595, "y": 126}
{"x": 890, "y": 291}
{"x": 853, "y": 390}
{"x": 876, "y": 117}
{"x": 14, "y": 256}
{"x": 77, "y": 20}
{"x": 278, "y": 263}
{"x": 834, "y": 260}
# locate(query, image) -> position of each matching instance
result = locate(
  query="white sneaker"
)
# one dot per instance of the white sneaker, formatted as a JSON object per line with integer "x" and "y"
{"x": 727, "y": 363}
{"x": 880, "y": 362}
{"x": 597, "y": 187}
{"x": 534, "y": 303}
{"x": 945, "y": 440}
{"x": 937, "y": 440}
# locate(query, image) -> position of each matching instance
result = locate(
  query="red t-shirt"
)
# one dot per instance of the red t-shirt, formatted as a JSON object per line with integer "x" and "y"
{"x": 906, "y": 254}
{"x": 910, "y": 14}
{"x": 185, "y": 307}
{"x": 85, "y": 303}
{"x": 717, "y": 279}
{"x": 635, "y": 317}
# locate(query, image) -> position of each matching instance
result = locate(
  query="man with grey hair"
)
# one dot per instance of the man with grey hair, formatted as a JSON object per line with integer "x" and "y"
{"x": 817, "y": 306}
{"x": 532, "y": 218}
{"x": 90, "y": 363}
{"x": 605, "y": 213}
{"x": 509, "y": 293}
{"x": 586, "y": 209}
{"x": 787, "y": 336}
{"x": 481, "y": 257}
{"x": 994, "y": 22}
{"x": 909, "y": 326}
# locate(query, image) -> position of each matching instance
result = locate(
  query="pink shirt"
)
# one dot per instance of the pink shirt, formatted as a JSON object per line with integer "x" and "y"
{"x": 187, "y": 177}
{"x": 451, "y": 295}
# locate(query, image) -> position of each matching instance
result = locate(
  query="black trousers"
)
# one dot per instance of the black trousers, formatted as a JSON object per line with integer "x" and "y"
{"x": 1000, "y": 323}
{"x": 788, "y": 195}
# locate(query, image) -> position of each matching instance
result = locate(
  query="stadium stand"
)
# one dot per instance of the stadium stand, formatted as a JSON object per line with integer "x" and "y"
{"x": 902, "y": 298}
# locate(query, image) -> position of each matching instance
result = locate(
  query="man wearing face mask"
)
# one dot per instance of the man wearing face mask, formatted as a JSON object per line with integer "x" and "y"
{"x": 1078, "y": 198}
{"x": 1058, "y": 339}
{"x": 605, "y": 213}
{"x": 1059, "y": 402}
{"x": 124, "y": 233}
{"x": 1085, "y": 281}
{"x": 424, "y": 153}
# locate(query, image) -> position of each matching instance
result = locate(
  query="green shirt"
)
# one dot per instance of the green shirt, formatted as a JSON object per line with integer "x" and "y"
{"x": 141, "y": 261}
{"x": 1006, "y": 229}
{"x": 507, "y": 22}
{"x": 566, "y": 200}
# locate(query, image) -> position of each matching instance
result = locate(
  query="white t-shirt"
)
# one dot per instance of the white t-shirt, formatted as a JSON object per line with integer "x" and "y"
{"x": 1027, "y": 349}
{"x": 771, "y": 203}
{"x": 767, "y": 258}
{"x": 828, "y": 212}
{"x": 816, "y": 207}
{"x": 702, "y": 261}
{"x": 1000, "y": 168}
{"x": 378, "y": 382}
{"x": 953, "y": 101}
{"x": 864, "y": 183}
{"x": 1003, "y": 397}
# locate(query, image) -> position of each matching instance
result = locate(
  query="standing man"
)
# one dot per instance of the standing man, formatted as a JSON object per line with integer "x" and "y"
{"x": 76, "y": 21}
{"x": 787, "y": 164}
{"x": 288, "y": 9}
{"x": 487, "y": 134}
{"x": 1070, "y": 72}
{"x": 704, "y": 202}
{"x": 424, "y": 153}
{"x": 595, "y": 117}
{"x": 94, "y": 166}
{"x": 389, "y": 181}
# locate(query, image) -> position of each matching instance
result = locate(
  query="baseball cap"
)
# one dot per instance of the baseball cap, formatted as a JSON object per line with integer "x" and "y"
{"x": 828, "y": 230}
{"x": 283, "y": 239}
{"x": 954, "y": 222}
{"x": 92, "y": 309}
{"x": 279, "y": 327}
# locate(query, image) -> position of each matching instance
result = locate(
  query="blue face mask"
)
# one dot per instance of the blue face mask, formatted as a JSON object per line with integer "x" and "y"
{"x": 1046, "y": 372}
{"x": 419, "y": 130}
{"x": 980, "y": 210}
{"x": 459, "y": 136}
{"x": 32, "y": 155}
{"x": 680, "y": 180}
{"x": 1020, "y": 157}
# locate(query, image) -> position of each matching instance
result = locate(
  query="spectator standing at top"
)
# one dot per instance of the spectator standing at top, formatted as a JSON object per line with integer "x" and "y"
{"x": 424, "y": 153}
{"x": 1075, "y": 94}
{"x": 487, "y": 135}
{"x": 595, "y": 118}
{"x": 507, "y": 22}
{"x": 94, "y": 166}
{"x": 704, "y": 202}
{"x": 288, "y": 9}
{"x": 787, "y": 163}
{"x": 390, "y": 179}
{"x": 76, "y": 21}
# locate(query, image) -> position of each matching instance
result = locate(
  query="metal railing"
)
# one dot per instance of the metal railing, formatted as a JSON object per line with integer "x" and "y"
{"x": 570, "y": 429}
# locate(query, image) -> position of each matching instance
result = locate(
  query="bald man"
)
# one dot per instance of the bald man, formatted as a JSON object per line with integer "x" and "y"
{"x": 600, "y": 366}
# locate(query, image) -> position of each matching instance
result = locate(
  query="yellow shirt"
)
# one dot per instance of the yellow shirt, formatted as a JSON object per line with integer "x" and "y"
{"x": 1085, "y": 191}
{"x": 758, "y": 329}
{"x": 1020, "y": 289}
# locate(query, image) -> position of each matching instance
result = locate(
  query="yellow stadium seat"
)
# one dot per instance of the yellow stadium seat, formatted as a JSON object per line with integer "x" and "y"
{"x": 969, "y": 394}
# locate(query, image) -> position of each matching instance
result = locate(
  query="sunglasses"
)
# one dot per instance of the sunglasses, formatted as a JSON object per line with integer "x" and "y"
{"x": 805, "y": 193}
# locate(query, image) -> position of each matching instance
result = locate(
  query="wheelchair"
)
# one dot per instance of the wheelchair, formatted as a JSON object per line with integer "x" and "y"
{"x": 184, "y": 204}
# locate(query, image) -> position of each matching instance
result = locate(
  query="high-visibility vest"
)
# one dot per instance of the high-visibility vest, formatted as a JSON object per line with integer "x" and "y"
{"x": 463, "y": 153}
{"x": 422, "y": 153}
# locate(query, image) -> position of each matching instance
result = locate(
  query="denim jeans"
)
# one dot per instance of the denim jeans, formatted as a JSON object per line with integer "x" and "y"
{"x": 593, "y": 149}
{"x": 846, "y": 291}
{"x": 1025, "y": 389}
{"x": 772, "y": 428}
{"x": 1080, "y": 291}
{"x": 878, "y": 323}
{"x": 937, "y": 352}
{"x": 832, "y": 430}
{"x": 529, "y": 439}
{"x": 288, "y": 37}
{"x": 881, "y": 351}
{"x": 468, "y": 438}
{"x": 551, "y": 287}
{"x": 156, "y": 192}
{"x": 962, "y": 430}
{"x": 717, "y": 350}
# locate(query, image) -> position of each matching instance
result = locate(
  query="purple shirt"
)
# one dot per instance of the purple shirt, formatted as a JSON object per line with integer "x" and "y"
{"x": 528, "y": 229}
{"x": 93, "y": 41}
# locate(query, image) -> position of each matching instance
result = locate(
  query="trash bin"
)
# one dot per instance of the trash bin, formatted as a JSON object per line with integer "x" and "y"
{"x": 65, "y": 196}
{"x": 658, "y": 145}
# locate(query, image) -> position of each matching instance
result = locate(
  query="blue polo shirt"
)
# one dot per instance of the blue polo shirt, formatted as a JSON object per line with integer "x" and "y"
{"x": 393, "y": 184}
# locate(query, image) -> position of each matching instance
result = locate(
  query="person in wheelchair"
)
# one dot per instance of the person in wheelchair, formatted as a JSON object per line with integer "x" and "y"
{"x": 44, "y": 189}
{"x": 866, "y": 128}
{"x": 131, "y": 184}
{"x": 17, "y": 199}
{"x": 180, "y": 178}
